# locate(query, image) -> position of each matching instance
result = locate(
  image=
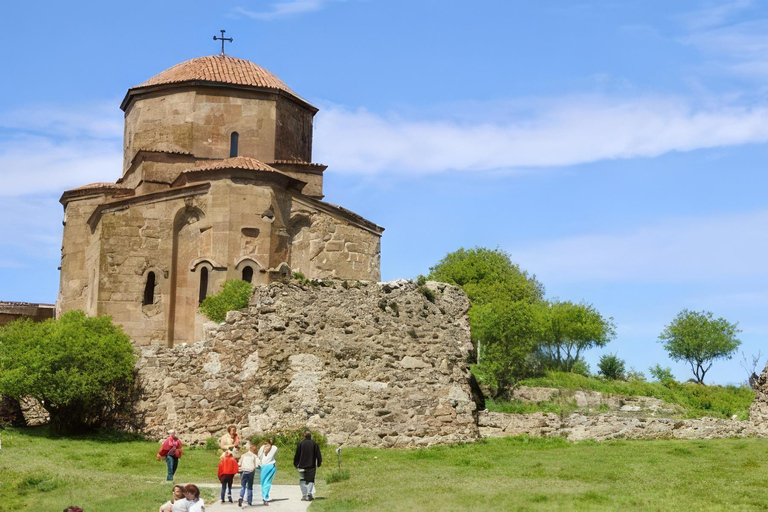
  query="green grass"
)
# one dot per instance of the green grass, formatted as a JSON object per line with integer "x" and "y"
{"x": 119, "y": 474}
{"x": 99, "y": 473}
{"x": 523, "y": 474}
{"x": 697, "y": 401}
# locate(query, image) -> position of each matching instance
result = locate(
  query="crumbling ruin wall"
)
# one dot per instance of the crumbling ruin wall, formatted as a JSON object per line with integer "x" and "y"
{"x": 366, "y": 364}
{"x": 758, "y": 413}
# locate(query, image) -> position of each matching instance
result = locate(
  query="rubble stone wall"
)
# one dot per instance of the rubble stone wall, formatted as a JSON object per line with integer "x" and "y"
{"x": 758, "y": 413}
{"x": 365, "y": 364}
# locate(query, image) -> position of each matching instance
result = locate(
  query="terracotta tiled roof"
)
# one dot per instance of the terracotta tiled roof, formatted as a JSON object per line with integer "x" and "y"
{"x": 238, "y": 162}
{"x": 95, "y": 186}
{"x": 222, "y": 69}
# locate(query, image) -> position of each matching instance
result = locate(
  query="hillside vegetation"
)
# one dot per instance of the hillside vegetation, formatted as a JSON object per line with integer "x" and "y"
{"x": 695, "y": 400}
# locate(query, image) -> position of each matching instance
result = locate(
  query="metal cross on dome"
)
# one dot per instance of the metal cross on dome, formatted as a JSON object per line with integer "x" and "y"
{"x": 222, "y": 39}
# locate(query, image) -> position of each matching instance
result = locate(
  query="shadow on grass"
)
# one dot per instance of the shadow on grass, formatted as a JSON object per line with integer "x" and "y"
{"x": 99, "y": 435}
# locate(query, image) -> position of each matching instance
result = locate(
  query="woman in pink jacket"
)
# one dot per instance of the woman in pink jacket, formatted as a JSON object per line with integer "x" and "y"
{"x": 171, "y": 450}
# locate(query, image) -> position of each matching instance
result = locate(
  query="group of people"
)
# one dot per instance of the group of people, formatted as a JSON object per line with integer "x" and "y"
{"x": 256, "y": 457}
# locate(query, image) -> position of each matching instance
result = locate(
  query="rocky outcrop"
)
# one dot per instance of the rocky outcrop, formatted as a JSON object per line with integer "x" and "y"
{"x": 599, "y": 427}
{"x": 367, "y": 365}
{"x": 592, "y": 401}
{"x": 758, "y": 413}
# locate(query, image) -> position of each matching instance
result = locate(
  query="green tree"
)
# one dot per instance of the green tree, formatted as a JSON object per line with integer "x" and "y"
{"x": 505, "y": 313}
{"x": 80, "y": 369}
{"x": 699, "y": 338}
{"x": 509, "y": 332}
{"x": 487, "y": 275}
{"x": 612, "y": 367}
{"x": 570, "y": 329}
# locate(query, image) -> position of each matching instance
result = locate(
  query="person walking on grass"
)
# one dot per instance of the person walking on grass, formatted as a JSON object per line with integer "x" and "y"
{"x": 249, "y": 462}
{"x": 227, "y": 472}
{"x": 307, "y": 459}
{"x": 194, "y": 501}
{"x": 266, "y": 457}
{"x": 171, "y": 451}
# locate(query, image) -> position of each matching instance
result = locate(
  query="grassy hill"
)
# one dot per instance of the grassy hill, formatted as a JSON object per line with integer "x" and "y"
{"x": 694, "y": 400}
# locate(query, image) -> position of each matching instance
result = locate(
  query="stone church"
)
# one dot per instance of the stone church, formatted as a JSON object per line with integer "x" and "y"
{"x": 218, "y": 183}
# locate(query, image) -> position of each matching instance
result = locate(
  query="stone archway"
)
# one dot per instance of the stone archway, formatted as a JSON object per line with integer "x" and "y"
{"x": 185, "y": 287}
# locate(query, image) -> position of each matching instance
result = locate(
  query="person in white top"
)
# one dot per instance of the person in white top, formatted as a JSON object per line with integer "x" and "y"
{"x": 248, "y": 464}
{"x": 178, "y": 503}
{"x": 196, "y": 503}
{"x": 266, "y": 457}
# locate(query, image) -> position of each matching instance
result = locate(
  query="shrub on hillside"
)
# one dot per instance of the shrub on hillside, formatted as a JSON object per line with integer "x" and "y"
{"x": 581, "y": 367}
{"x": 612, "y": 367}
{"x": 80, "y": 369}
{"x": 288, "y": 438}
{"x": 663, "y": 375}
{"x": 234, "y": 295}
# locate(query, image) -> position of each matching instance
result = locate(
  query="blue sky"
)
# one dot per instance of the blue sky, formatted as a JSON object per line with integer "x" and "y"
{"x": 615, "y": 149}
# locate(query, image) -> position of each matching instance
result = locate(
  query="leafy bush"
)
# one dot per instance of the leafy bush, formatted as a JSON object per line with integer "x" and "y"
{"x": 212, "y": 444}
{"x": 421, "y": 280}
{"x": 611, "y": 367}
{"x": 426, "y": 292}
{"x": 698, "y": 401}
{"x": 663, "y": 375}
{"x": 581, "y": 367}
{"x": 635, "y": 375}
{"x": 288, "y": 438}
{"x": 337, "y": 475}
{"x": 234, "y": 295}
{"x": 80, "y": 368}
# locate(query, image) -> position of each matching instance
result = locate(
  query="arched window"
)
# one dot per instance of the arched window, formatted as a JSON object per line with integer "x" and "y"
{"x": 233, "y": 141}
{"x": 203, "y": 283}
{"x": 149, "y": 290}
{"x": 248, "y": 274}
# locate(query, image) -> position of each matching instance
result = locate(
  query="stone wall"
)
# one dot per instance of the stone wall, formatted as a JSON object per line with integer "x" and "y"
{"x": 599, "y": 427}
{"x": 367, "y": 365}
{"x": 758, "y": 413}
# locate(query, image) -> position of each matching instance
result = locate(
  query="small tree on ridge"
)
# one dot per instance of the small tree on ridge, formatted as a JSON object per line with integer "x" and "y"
{"x": 699, "y": 338}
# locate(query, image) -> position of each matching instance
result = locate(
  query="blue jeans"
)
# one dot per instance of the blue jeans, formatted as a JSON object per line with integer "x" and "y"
{"x": 172, "y": 463}
{"x": 267, "y": 474}
{"x": 226, "y": 485}
{"x": 246, "y": 482}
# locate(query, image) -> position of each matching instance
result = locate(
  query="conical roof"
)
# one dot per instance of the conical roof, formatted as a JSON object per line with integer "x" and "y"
{"x": 220, "y": 69}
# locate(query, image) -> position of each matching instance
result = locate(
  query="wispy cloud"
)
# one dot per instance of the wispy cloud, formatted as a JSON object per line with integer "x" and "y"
{"x": 285, "y": 9}
{"x": 555, "y": 133}
{"x": 714, "y": 249}
{"x": 741, "y": 48}
{"x": 715, "y": 14}
{"x": 48, "y": 149}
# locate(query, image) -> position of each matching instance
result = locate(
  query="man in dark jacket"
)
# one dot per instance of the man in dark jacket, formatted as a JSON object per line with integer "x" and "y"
{"x": 307, "y": 459}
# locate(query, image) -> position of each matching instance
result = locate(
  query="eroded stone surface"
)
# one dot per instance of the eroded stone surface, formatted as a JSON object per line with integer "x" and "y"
{"x": 600, "y": 427}
{"x": 372, "y": 365}
{"x": 758, "y": 413}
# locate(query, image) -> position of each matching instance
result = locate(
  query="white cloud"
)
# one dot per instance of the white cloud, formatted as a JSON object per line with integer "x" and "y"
{"x": 36, "y": 164}
{"x": 557, "y": 133}
{"x": 102, "y": 120}
{"x": 285, "y": 8}
{"x": 715, "y": 14}
{"x": 49, "y": 149}
{"x": 715, "y": 249}
{"x": 740, "y": 49}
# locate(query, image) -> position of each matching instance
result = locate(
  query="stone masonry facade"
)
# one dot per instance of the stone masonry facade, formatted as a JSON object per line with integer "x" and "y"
{"x": 218, "y": 183}
{"x": 368, "y": 364}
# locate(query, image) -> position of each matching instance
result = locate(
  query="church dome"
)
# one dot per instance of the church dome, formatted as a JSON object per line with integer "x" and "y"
{"x": 218, "y": 69}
